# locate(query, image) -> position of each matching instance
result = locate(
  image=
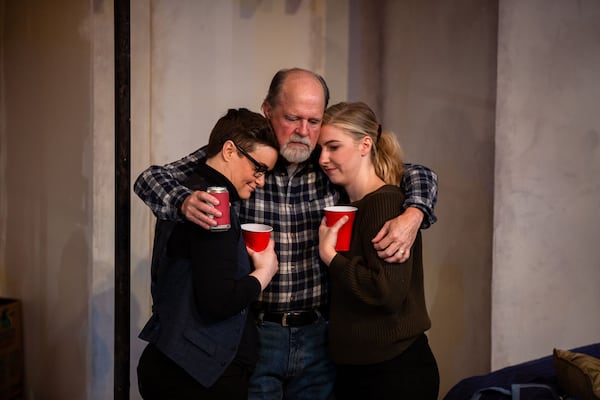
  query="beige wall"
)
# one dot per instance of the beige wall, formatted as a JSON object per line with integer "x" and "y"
{"x": 439, "y": 95}
{"x": 547, "y": 200}
{"x": 433, "y": 66}
{"x": 47, "y": 177}
{"x": 102, "y": 285}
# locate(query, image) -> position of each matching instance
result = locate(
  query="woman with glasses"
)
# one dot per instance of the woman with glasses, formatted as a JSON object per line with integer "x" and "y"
{"x": 202, "y": 340}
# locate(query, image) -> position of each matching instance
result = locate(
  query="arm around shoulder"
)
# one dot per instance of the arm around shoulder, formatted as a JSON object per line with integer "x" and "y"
{"x": 161, "y": 189}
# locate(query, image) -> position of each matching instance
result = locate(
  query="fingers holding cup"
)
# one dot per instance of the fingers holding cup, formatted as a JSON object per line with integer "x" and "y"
{"x": 333, "y": 216}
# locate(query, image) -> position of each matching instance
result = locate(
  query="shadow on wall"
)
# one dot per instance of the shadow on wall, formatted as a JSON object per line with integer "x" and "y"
{"x": 459, "y": 246}
{"x": 103, "y": 336}
{"x": 103, "y": 340}
{"x": 67, "y": 323}
{"x": 140, "y": 313}
{"x": 448, "y": 326}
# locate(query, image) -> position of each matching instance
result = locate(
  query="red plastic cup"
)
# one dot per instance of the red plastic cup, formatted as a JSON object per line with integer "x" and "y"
{"x": 333, "y": 214}
{"x": 256, "y": 236}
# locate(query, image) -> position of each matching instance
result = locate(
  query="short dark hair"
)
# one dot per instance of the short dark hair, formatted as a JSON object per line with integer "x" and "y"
{"x": 277, "y": 82}
{"x": 245, "y": 128}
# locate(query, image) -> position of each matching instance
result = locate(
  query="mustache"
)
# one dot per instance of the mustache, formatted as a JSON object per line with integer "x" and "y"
{"x": 299, "y": 139}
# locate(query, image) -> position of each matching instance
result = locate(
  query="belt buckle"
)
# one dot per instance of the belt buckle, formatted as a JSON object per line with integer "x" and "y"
{"x": 284, "y": 320}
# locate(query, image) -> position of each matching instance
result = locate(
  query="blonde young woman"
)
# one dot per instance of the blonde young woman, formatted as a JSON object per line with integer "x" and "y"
{"x": 378, "y": 315}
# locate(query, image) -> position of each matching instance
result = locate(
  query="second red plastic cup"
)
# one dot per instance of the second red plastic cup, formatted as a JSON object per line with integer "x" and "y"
{"x": 257, "y": 236}
{"x": 333, "y": 214}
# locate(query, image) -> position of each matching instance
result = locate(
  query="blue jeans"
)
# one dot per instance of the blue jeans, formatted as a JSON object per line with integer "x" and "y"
{"x": 293, "y": 363}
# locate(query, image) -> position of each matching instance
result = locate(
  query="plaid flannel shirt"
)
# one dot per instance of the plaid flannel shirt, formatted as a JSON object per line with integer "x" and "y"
{"x": 293, "y": 205}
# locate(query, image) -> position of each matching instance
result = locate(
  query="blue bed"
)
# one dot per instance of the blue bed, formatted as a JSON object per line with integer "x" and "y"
{"x": 536, "y": 379}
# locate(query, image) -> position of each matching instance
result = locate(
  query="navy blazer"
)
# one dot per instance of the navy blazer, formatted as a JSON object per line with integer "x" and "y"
{"x": 202, "y": 345}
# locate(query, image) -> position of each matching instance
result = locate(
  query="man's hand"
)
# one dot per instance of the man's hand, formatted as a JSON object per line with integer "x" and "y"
{"x": 394, "y": 240}
{"x": 196, "y": 209}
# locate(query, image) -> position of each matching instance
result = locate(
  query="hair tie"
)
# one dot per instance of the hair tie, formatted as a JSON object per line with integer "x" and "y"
{"x": 378, "y": 133}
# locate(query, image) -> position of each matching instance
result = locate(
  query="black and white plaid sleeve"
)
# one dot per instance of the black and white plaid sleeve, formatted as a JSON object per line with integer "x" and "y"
{"x": 160, "y": 188}
{"x": 420, "y": 186}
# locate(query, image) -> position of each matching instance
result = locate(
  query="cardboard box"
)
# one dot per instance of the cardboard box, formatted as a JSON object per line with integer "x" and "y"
{"x": 12, "y": 371}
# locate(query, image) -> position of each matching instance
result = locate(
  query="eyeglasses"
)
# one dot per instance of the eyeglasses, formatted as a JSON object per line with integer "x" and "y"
{"x": 260, "y": 169}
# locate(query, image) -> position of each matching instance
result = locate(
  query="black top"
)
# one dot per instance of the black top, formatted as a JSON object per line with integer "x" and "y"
{"x": 219, "y": 293}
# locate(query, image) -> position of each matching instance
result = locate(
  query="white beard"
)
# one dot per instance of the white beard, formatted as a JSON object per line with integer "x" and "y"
{"x": 295, "y": 155}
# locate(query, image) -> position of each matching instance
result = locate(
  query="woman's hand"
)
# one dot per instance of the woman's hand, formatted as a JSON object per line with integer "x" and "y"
{"x": 328, "y": 238}
{"x": 265, "y": 263}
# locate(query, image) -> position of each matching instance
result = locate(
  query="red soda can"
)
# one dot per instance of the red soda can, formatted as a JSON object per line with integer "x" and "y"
{"x": 221, "y": 193}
